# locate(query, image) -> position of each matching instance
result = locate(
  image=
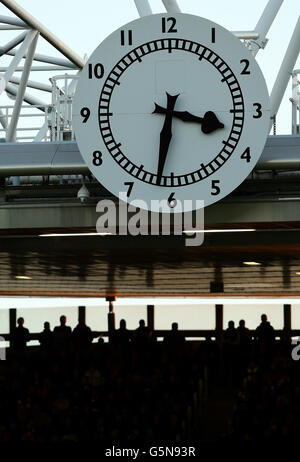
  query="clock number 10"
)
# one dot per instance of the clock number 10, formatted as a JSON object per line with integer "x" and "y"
{"x": 96, "y": 71}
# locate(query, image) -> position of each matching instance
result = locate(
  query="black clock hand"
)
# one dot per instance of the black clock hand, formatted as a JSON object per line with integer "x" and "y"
{"x": 209, "y": 123}
{"x": 165, "y": 136}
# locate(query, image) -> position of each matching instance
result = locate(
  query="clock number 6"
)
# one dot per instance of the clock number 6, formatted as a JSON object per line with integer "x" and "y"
{"x": 97, "y": 158}
{"x": 215, "y": 187}
{"x": 169, "y": 29}
{"x": 96, "y": 70}
{"x": 172, "y": 202}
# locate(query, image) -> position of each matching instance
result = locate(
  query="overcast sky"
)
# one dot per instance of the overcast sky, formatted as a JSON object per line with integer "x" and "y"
{"x": 83, "y": 25}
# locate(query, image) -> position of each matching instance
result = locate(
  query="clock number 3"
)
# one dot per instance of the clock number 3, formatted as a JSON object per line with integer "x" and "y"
{"x": 168, "y": 28}
{"x": 258, "y": 113}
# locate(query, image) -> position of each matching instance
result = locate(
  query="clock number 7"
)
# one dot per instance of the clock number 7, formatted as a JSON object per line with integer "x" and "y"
{"x": 130, "y": 186}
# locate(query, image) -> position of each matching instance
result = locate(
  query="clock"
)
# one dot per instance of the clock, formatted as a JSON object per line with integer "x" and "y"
{"x": 171, "y": 108}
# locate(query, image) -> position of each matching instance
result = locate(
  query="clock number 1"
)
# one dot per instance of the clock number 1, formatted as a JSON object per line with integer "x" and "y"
{"x": 171, "y": 28}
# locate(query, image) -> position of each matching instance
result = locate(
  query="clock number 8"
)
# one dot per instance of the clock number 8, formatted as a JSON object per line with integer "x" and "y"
{"x": 97, "y": 158}
{"x": 172, "y": 202}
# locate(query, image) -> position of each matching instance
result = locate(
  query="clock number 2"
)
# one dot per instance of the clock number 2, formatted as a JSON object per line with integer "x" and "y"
{"x": 97, "y": 158}
{"x": 171, "y": 28}
{"x": 96, "y": 70}
{"x": 246, "y": 63}
{"x": 215, "y": 187}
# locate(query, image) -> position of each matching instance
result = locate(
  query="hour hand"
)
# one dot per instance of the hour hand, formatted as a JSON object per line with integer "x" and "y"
{"x": 209, "y": 123}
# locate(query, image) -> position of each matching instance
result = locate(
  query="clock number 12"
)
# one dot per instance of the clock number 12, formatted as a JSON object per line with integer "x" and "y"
{"x": 166, "y": 28}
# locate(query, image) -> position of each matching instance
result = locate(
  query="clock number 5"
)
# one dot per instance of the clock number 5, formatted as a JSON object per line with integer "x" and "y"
{"x": 215, "y": 187}
{"x": 168, "y": 28}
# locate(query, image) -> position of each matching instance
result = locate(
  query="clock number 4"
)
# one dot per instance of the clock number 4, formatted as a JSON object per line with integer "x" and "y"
{"x": 246, "y": 155}
{"x": 215, "y": 187}
{"x": 97, "y": 158}
{"x": 168, "y": 25}
{"x": 96, "y": 70}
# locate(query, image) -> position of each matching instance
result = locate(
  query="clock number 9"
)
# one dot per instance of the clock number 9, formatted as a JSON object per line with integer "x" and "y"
{"x": 85, "y": 113}
{"x": 215, "y": 187}
{"x": 171, "y": 28}
{"x": 172, "y": 202}
{"x": 96, "y": 70}
{"x": 97, "y": 158}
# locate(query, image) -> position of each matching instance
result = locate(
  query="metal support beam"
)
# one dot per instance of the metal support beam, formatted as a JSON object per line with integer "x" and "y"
{"x": 246, "y": 35}
{"x": 150, "y": 317}
{"x": 12, "y": 21}
{"x": 143, "y": 7}
{"x": 39, "y": 69}
{"x": 30, "y": 35}
{"x": 171, "y": 6}
{"x": 32, "y": 100}
{"x": 11, "y": 132}
{"x": 41, "y": 133}
{"x": 12, "y": 28}
{"x": 49, "y": 60}
{"x": 219, "y": 321}
{"x": 45, "y": 33}
{"x": 33, "y": 84}
{"x": 12, "y": 320}
{"x": 82, "y": 314}
{"x": 285, "y": 71}
{"x": 265, "y": 22}
{"x": 13, "y": 43}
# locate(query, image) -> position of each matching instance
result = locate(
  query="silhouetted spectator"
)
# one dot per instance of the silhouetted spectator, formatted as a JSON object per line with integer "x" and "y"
{"x": 46, "y": 337}
{"x": 230, "y": 348}
{"x": 62, "y": 334}
{"x": 265, "y": 337}
{"x": 19, "y": 336}
{"x": 121, "y": 336}
{"x": 174, "y": 340}
{"x": 264, "y": 333}
{"x": 244, "y": 342}
{"x": 82, "y": 334}
{"x": 142, "y": 334}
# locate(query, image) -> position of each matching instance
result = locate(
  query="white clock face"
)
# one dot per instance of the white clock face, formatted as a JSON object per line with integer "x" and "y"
{"x": 171, "y": 108}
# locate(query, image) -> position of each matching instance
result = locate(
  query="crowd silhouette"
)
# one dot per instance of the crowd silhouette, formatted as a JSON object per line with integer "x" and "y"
{"x": 137, "y": 389}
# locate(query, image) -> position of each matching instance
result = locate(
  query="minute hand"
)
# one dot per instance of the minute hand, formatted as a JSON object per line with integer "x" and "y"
{"x": 209, "y": 123}
{"x": 165, "y": 136}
